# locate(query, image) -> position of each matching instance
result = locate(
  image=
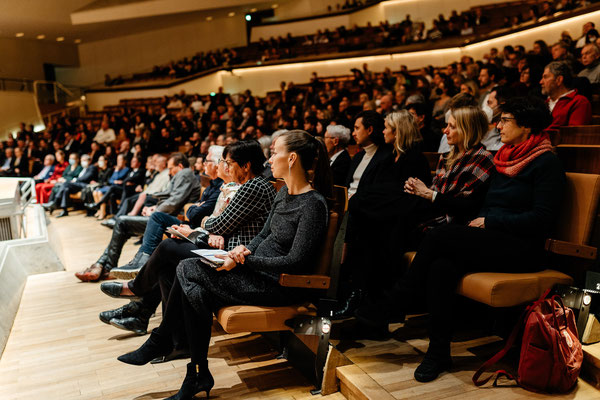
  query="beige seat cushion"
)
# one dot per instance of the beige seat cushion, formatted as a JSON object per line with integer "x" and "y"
{"x": 235, "y": 319}
{"x": 507, "y": 290}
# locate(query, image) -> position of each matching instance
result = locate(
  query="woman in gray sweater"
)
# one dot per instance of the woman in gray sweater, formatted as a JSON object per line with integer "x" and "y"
{"x": 289, "y": 243}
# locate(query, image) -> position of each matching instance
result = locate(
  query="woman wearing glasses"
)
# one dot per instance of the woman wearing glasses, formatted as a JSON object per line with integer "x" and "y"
{"x": 240, "y": 213}
{"x": 508, "y": 235}
{"x": 289, "y": 243}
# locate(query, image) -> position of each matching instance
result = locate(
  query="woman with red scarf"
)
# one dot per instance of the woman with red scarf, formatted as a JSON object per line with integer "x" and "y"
{"x": 518, "y": 212}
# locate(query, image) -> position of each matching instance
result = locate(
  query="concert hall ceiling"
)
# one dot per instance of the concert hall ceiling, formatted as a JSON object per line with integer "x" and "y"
{"x": 91, "y": 20}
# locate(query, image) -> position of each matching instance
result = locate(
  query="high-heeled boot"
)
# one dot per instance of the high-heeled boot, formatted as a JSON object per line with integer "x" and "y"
{"x": 155, "y": 346}
{"x": 197, "y": 379}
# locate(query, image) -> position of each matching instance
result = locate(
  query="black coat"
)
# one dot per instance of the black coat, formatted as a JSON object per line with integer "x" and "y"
{"x": 340, "y": 167}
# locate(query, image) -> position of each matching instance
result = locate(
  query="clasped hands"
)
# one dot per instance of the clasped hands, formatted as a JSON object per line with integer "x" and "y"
{"x": 234, "y": 257}
{"x": 418, "y": 188}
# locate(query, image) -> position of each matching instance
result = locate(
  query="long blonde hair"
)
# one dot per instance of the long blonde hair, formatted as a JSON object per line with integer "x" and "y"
{"x": 406, "y": 129}
{"x": 472, "y": 125}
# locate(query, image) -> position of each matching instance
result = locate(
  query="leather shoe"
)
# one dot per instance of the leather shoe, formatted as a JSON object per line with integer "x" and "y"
{"x": 131, "y": 269}
{"x": 138, "y": 325}
{"x": 109, "y": 223}
{"x": 431, "y": 368}
{"x": 91, "y": 274}
{"x": 63, "y": 213}
{"x": 131, "y": 309}
{"x": 49, "y": 206}
{"x": 113, "y": 289}
{"x": 91, "y": 206}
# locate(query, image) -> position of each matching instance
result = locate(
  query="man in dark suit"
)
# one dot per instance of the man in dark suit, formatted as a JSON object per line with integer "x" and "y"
{"x": 336, "y": 140}
{"x": 368, "y": 134}
{"x": 87, "y": 175}
{"x": 20, "y": 163}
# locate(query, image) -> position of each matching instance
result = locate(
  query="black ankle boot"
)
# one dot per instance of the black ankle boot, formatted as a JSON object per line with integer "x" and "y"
{"x": 347, "y": 306}
{"x": 155, "y": 346}
{"x": 197, "y": 379}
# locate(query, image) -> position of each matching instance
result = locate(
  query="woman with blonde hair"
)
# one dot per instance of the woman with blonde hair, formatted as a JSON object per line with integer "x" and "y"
{"x": 455, "y": 195}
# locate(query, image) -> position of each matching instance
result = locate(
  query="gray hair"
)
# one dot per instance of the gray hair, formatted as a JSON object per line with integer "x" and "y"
{"x": 562, "y": 68}
{"x": 341, "y": 133}
{"x": 85, "y": 157}
{"x": 216, "y": 152}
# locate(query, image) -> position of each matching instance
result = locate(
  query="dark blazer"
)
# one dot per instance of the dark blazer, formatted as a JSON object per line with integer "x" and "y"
{"x": 372, "y": 169}
{"x": 135, "y": 178}
{"x": 90, "y": 174}
{"x": 22, "y": 164}
{"x": 339, "y": 168}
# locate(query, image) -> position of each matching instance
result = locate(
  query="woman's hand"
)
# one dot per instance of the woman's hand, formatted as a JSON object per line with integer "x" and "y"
{"x": 185, "y": 230}
{"x": 228, "y": 265}
{"x": 418, "y": 188}
{"x": 216, "y": 241}
{"x": 239, "y": 254}
{"x": 478, "y": 223}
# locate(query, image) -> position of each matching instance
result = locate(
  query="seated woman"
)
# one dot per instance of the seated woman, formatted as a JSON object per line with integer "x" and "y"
{"x": 457, "y": 192}
{"x": 135, "y": 316}
{"x": 43, "y": 189}
{"x": 508, "y": 235}
{"x": 101, "y": 194}
{"x": 288, "y": 243}
{"x": 69, "y": 174}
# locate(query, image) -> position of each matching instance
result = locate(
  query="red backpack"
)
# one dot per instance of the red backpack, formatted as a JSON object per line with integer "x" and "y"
{"x": 551, "y": 354}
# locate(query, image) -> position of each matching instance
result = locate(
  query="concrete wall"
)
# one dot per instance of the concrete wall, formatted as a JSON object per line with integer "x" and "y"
{"x": 25, "y": 58}
{"x": 140, "y": 52}
{"x": 19, "y": 259}
{"x": 17, "y": 107}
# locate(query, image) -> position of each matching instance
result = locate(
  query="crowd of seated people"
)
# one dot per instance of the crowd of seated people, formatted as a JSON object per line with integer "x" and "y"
{"x": 495, "y": 163}
{"x": 342, "y": 39}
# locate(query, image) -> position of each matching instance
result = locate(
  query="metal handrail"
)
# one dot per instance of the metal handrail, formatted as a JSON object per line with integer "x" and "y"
{"x": 27, "y": 196}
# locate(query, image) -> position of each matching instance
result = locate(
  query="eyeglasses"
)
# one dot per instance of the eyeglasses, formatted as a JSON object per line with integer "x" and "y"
{"x": 228, "y": 163}
{"x": 504, "y": 120}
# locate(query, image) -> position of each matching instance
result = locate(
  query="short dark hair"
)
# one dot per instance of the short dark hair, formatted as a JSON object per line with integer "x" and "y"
{"x": 503, "y": 93}
{"x": 494, "y": 71}
{"x": 372, "y": 119}
{"x": 248, "y": 151}
{"x": 179, "y": 158}
{"x": 420, "y": 108}
{"x": 529, "y": 112}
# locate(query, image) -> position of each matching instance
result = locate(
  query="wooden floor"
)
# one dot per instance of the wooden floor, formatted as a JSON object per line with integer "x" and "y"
{"x": 59, "y": 349}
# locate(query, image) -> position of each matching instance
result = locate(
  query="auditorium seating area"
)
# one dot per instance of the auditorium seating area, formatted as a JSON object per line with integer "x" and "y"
{"x": 341, "y": 356}
{"x": 466, "y": 26}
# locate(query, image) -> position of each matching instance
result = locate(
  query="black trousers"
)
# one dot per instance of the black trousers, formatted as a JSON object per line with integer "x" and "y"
{"x": 444, "y": 256}
{"x": 125, "y": 227}
{"x": 155, "y": 279}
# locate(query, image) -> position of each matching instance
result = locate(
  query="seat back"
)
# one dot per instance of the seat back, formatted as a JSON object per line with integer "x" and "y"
{"x": 578, "y": 212}
{"x": 337, "y": 209}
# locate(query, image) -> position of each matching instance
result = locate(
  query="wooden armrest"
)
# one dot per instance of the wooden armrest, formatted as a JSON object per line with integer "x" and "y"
{"x": 571, "y": 249}
{"x": 305, "y": 281}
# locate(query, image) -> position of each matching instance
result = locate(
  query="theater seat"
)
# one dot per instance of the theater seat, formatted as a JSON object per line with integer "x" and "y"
{"x": 508, "y": 290}
{"x": 236, "y": 319}
{"x": 572, "y": 238}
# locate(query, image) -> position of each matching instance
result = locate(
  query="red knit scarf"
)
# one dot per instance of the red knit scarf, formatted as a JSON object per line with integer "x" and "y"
{"x": 511, "y": 159}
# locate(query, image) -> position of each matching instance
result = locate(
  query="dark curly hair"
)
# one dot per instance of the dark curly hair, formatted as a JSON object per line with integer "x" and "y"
{"x": 529, "y": 112}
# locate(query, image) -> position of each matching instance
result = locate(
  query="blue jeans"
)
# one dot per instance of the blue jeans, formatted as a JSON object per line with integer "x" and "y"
{"x": 158, "y": 223}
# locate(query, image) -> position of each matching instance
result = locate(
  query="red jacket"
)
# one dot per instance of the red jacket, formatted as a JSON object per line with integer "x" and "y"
{"x": 572, "y": 109}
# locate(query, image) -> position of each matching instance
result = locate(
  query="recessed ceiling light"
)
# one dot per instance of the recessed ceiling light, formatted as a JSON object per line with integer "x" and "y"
{"x": 253, "y": 10}
{"x": 41, "y": 37}
{"x": 77, "y": 41}
{"x": 275, "y": 5}
{"x": 60, "y": 39}
{"x": 20, "y": 34}
{"x": 231, "y": 14}
{"x": 209, "y": 18}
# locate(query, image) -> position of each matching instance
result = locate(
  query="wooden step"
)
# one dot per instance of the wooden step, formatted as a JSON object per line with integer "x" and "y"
{"x": 590, "y": 371}
{"x": 355, "y": 384}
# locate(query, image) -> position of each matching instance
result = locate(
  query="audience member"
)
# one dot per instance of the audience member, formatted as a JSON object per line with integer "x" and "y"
{"x": 336, "y": 139}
